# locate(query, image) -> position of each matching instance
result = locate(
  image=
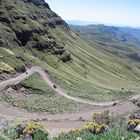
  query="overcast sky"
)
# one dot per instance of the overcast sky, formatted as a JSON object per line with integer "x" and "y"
{"x": 121, "y": 12}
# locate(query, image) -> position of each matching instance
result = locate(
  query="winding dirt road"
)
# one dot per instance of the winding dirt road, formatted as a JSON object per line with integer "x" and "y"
{"x": 59, "y": 123}
{"x": 56, "y": 124}
{"x": 59, "y": 91}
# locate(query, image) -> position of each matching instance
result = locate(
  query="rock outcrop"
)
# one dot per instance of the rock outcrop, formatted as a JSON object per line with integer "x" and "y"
{"x": 38, "y": 3}
{"x": 30, "y": 27}
{"x": 137, "y": 129}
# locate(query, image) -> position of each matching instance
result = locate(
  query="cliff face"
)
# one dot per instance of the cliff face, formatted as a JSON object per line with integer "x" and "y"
{"x": 27, "y": 23}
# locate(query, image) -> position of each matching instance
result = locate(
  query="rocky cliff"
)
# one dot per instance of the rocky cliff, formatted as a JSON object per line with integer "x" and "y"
{"x": 26, "y": 23}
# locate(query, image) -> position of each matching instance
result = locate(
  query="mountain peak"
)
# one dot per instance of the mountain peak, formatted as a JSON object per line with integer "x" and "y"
{"x": 38, "y": 3}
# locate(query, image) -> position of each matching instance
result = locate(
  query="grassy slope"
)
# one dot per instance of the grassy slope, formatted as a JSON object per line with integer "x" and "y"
{"x": 38, "y": 97}
{"x": 93, "y": 73}
{"x": 114, "y": 134}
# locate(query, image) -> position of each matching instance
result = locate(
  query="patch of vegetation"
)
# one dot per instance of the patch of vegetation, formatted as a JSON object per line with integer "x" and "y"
{"x": 25, "y": 130}
{"x": 95, "y": 130}
{"x": 10, "y": 59}
{"x": 113, "y": 134}
{"x": 35, "y": 84}
{"x": 3, "y": 137}
{"x": 8, "y": 51}
{"x": 5, "y": 67}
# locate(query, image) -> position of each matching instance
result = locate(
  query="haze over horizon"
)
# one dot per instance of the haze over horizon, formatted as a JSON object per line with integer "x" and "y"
{"x": 111, "y": 12}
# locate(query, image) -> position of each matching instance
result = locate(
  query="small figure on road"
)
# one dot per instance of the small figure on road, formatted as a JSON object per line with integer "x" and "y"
{"x": 54, "y": 86}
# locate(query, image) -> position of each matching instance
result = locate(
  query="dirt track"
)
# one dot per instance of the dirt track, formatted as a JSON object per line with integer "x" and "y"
{"x": 61, "y": 122}
{"x": 59, "y": 91}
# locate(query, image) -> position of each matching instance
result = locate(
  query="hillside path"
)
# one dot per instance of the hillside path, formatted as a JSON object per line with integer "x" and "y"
{"x": 58, "y": 90}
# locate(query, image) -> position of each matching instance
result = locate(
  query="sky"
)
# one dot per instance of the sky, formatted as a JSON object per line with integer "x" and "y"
{"x": 116, "y": 12}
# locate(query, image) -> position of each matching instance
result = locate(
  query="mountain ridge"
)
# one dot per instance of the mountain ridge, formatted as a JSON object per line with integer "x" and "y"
{"x": 86, "y": 23}
{"x": 39, "y": 3}
{"x": 122, "y": 34}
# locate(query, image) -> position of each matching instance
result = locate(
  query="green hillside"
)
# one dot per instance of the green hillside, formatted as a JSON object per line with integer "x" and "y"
{"x": 125, "y": 35}
{"x": 32, "y": 34}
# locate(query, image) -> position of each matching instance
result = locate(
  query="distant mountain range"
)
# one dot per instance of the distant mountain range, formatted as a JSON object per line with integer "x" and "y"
{"x": 104, "y": 33}
{"x": 85, "y": 23}
{"x": 121, "y": 41}
{"x": 81, "y": 22}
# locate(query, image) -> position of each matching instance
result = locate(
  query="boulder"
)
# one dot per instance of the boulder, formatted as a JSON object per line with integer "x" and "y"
{"x": 17, "y": 86}
{"x": 21, "y": 69}
{"x": 66, "y": 57}
{"x": 137, "y": 129}
{"x": 131, "y": 127}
